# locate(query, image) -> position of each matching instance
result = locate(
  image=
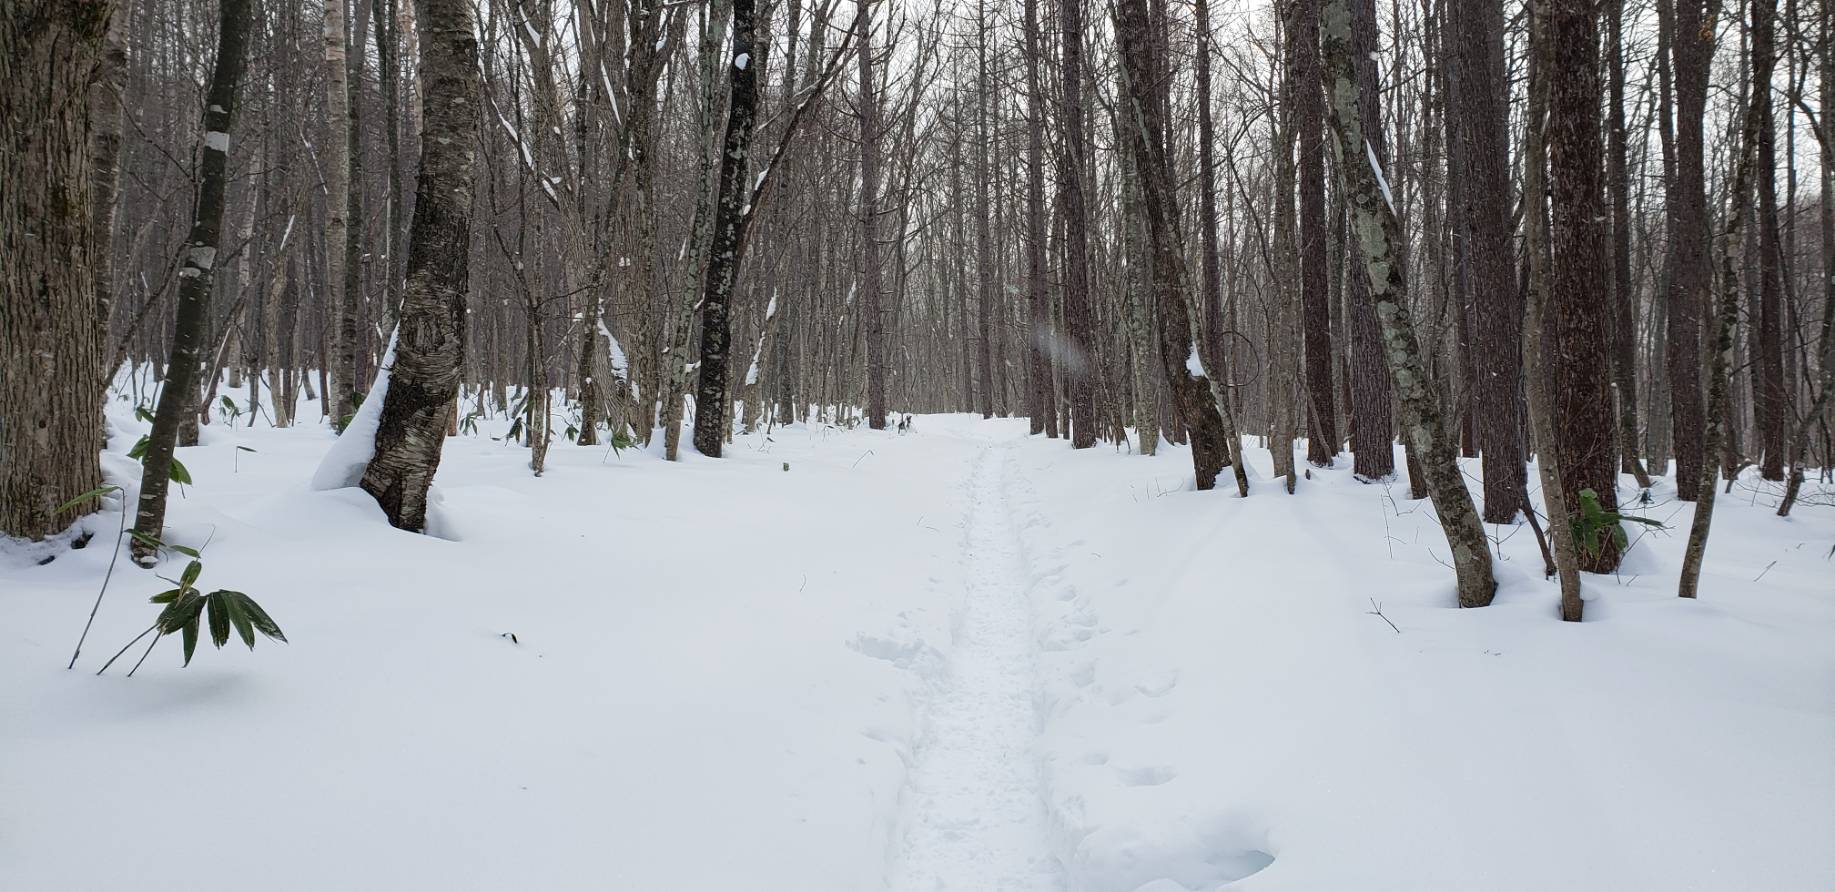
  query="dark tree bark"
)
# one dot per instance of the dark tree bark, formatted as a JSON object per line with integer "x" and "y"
{"x": 870, "y": 287}
{"x": 353, "y": 327}
{"x": 1770, "y": 401}
{"x": 1210, "y": 280}
{"x": 1079, "y": 326}
{"x": 1038, "y": 304}
{"x": 430, "y": 342}
{"x": 723, "y": 258}
{"x": 1372, "y": 421}
{"x": 196, "y": 278}
{"x": 1315, "y": 289}
{"x": 1481, "y": 117}
{"x": 1379, "y": 236}
{"x": 984, "y": 246}
{"x": 51, "y": 343}
{"x": 1579, "y": 300}
{"x": 1727, "y": 299}
{"x": 1691, "y": 271}
{"x": 1537, "y": 258}
{"x": 1624, "y": 298}
{"x": 1800, "y": 437}
{"x": 1143, "y": 113}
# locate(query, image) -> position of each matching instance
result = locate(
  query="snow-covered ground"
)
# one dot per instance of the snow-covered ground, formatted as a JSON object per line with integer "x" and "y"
{"x": 958, "y": 658}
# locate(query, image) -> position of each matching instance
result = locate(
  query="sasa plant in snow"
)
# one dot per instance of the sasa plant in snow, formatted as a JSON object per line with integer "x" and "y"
{"x": 187, "y": 609}
{"x": 185, "y": 605}
{"x": 1595, "y": 523}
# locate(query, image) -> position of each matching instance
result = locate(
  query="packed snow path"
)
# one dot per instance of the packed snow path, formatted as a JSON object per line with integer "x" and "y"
{"x": 973, "y": 816}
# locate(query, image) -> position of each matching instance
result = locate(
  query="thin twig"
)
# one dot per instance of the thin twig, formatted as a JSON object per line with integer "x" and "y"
{"x": 124, "y": 647}
{"x": 105, "y": 577}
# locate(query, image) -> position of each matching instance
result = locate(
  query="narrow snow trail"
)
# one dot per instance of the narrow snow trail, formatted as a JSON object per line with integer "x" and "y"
{"x": 973, "y": 816}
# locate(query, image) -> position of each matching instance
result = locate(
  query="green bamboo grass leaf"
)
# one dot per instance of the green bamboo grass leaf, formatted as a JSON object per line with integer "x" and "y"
{"x": 98, "y": 492}
{"x": 191, "y": 639}
{"x": 217, "y": 609}
{"x": 263, "y": 623}
{"x": 238, "y": 615}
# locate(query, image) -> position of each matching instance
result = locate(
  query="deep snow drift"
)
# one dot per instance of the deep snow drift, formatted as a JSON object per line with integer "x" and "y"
{"x": 959, "y": 658}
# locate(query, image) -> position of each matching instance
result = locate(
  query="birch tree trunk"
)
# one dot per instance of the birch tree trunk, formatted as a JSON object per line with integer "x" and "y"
{"x": 339, "y": 402}
{"x": 430, "y": 342}
{"x": 1374, "y": 218}
{"x": 106, "y": 119}
{"x": 196, "y": 278}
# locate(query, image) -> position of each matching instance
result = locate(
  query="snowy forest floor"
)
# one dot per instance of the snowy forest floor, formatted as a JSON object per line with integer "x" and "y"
{"x": 959, "y": 658}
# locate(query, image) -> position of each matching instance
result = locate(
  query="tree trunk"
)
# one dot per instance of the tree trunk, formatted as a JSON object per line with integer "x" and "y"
{"x": 1136, "y": 292}
{"x": 196, "y": 278}
{"x": 106, "y": 119}
{"x": 52, "y": 328}
{"x": 1378, "y": 230}
{"x": 1143, "y": 109}
{"x": 1039, "y": 407}
{"x": 339, "y": 403}
{"x": 1770, "y": 401}
{"x": 1322, "y": 434}
{"x": 1079, "y": 325}
{"x": 1728, "y": 284}
{"x": 1691, "y": 273}
{"x": 1800, "y": 438}
{"x": 420, "y": 386}
{"x": 1624, "y": 298}
{"x": 1540, "y": 385}
{"x": 723, "y": 257}
{"x": 1579, "y": 298}
{"x": 1482, "y": 120}
{"x": 870, "y": 288}
{"x": 1372, "y": 420}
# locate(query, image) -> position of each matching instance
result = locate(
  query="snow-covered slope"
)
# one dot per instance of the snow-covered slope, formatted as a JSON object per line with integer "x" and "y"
{"x": 958, "y": 658}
